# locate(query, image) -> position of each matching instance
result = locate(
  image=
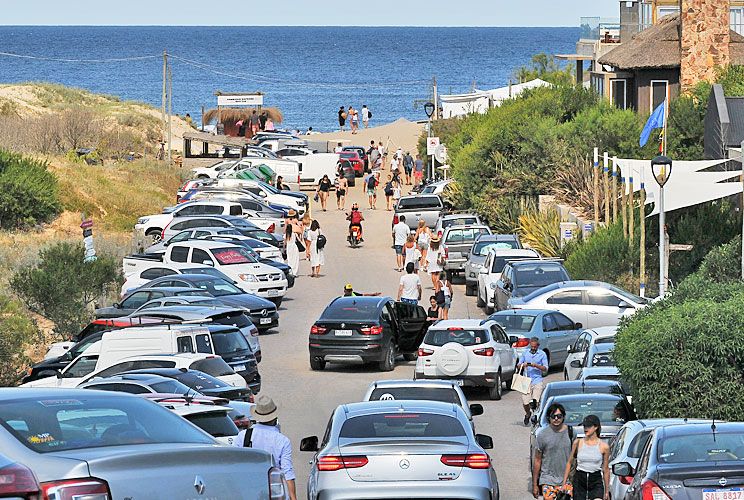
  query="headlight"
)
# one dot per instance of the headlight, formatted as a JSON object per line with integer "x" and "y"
{"x": 248, "y": 277}
{"x": 142, "y": 220}
{"x": 492, "y": 286}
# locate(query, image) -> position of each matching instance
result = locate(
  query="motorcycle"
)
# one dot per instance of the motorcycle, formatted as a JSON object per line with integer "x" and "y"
{"x": 354, "y": 236}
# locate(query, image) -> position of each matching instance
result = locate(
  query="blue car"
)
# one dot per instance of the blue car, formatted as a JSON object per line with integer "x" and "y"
{"x": 555, "y": 330}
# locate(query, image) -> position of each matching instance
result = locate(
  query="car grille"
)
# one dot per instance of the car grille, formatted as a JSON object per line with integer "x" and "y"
{"x": 269, "y": 277}
{"x": 260, "y": 312}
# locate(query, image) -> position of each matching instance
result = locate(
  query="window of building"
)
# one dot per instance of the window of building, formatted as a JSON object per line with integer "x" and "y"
{"x": 659, "y": 92}
{"x": 737, "y": 19}
{"x": 598, "y": 84}
{"x": 619, "y": 92}
{"x": 665, "y": 11}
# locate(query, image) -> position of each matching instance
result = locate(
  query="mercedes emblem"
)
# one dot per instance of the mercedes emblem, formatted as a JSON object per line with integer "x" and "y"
{"x": 343, "y": 325}
{"x": 404, "y": 464}
{"x": 199, "y": 485}
{"x": 264, "y": 312}
{"x": 722, "y": 481}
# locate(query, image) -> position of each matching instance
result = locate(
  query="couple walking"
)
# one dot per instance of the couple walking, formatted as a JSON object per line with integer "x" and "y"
{"x": 306, "y": 237}
{"x": 352, "y": 115}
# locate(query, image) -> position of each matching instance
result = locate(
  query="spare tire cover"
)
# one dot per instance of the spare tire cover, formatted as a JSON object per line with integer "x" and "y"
{"x": 451, "y": 359}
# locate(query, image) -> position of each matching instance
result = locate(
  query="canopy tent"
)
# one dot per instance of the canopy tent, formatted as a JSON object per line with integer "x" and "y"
{"x": 501, "y": 94}
{"x": 480, "y": 101}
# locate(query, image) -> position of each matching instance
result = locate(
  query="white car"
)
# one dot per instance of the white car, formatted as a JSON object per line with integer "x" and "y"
{"x": 591, "y": 303}
{"x": 491, "y": 272}
{"x": 153, "y": 225}
{"x": 586, "y": 339}
{"x": 475, "y": 353}
{"x": 149, "y": 271}
{"x": 213, "y": 171}
{"x": 268, "y": 194}
{"x": 212, "y": 419}
{"x": 436, "y": 187}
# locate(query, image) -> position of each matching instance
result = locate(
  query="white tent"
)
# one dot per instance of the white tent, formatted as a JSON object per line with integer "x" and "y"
{"x": 480, "y": 101}
{"x": 501, "y": 94}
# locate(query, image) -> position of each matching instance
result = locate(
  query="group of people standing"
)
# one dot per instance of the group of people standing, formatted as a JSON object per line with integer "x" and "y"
{"x": 248, "y": 127}
{"x": 353, "y": 115}
{"x": 304, "y": 236}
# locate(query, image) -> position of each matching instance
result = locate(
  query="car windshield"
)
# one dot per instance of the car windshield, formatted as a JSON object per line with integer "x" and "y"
{"x": 576, "y": 389}
{"x": 629, "y": 296}
{"x": 602, "y": 355}
{"x": 351, "y": 310}
{"x": 609, "y": 411}
{"x": 209, "y": 271}
{"x": 229, "y": 256}
{"x": 515, "y": 323}
{"x": 465, "y": 337}
{"x": 198, "y": 380}
{"x": 445, "y": 395}
{"x": 460, "y": 221}
{"x": 483, "y": 247}
{"x": 401, "y": 425}
{"x": 218, "y": 287}
{"x": 539, "y": 275}
{"x": 500, "y": 262}
{"x": 348, "y": 155}
{"x": 420, "y": 202}
{"x": 215, "y": 367}
{"x": 56, "y": 423}
{"x": 217, "y": 424}
{"x": 170, "y": 387}
{"x": 230, "y": 342}
{"x": 269, "y": 188}
{"x": 706, "y": 446}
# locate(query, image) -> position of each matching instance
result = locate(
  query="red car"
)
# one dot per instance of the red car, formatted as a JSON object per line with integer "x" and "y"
{"x": 356, "y": 161}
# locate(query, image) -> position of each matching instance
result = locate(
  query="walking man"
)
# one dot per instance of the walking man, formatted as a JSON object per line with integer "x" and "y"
{"x": 265, "y": 435}
{"x": 255, "y": 123}
{"x": 342, "y": 118}
{"x": 536, "y": 363}
{"x": 409, "y": 289}
{"x": 418, "y": 170}
{"x": 552, "y": 451}
{"x": 365, "y": 116}
{"x": 400, "y": 235}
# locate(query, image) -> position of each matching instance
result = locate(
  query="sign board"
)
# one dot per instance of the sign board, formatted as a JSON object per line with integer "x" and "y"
{"x": 240, "y": 100}
{"x": 432, "y": 143}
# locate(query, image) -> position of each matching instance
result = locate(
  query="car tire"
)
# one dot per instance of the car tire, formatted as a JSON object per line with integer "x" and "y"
{"x": 494, "y": 393}
{"x": 317, "y": 364}
{"x": 410, "y": 356}
{"x": 489, "y": 309}
{"x": 479, "y": 301}
{"x": 387, "y": 362}
{"x": 469, "y": 290}
{"x": 155, "y": 234}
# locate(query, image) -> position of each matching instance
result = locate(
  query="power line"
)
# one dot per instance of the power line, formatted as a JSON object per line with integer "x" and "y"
{"x": 58, "y": 59}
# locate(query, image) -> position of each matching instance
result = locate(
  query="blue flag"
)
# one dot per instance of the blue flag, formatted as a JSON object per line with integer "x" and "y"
{"x": 656, "y": 120}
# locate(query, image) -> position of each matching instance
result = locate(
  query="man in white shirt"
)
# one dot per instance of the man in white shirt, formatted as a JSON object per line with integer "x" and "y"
{"x": 409, "y": 290}
{"x": 365, "y": 116}
{"x": 400, "y": 235}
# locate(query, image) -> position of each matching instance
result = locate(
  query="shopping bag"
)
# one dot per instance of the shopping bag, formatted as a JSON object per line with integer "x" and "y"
{"x": 521, "y": 383}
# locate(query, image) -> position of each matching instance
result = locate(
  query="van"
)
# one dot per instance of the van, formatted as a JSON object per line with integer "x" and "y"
{"x": 313, "y": 167}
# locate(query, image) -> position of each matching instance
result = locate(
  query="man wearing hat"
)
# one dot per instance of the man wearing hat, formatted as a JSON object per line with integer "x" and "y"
{"x": 265, "y": 435}
{"x": 349, "y": 292}
{"x": 536, "y": 363}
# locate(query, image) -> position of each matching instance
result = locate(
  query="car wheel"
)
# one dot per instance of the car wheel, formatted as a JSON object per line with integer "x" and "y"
{"x": 317, "y": 364}
{"x": 489, "y": 309}
{"x": 479, "y": 301}
{"x": 387, "y": 363}
{"x": 469, "y": 290}
{"x": 277, "y": 301}
{"x": 410, "y": 356}
{"x": 495, "y": 392}
{"x": 155, "y": 234}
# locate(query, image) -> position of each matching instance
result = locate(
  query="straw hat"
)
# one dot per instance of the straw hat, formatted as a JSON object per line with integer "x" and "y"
{"x": 435, "y": 239}
{"x": 265, "y": 410}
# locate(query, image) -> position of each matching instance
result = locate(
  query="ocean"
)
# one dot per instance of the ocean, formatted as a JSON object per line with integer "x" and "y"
{"x": 307, "y": 72}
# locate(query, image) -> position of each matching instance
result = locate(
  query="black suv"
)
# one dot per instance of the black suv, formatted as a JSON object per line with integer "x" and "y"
{"x": 522, "y": 277}
{"x": 370, "y": 329}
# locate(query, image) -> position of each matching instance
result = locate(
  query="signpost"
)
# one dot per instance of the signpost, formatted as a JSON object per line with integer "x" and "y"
{"x": 432, "y": 143}
{"x": 240, "y": 100}
{"x": 87, "y": 226}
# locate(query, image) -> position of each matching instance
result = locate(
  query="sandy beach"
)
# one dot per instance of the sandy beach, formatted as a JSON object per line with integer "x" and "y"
{"x": 400, "y": 133}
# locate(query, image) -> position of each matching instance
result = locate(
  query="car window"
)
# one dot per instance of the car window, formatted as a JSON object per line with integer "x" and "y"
{"x": 199, "y": 256}
{"x": 638, "y": 444}
{"x": 182, "y": 236}
{"x": 423, "y": 202}
{"x": 233, "y": 255}
{"x": 572, "y": 297}
{"x": 187, "y": 211}
{"x": 460, "y": 221}
{"x": 214, "y": 366}
{"x": 704, "y": 447}
{"x": 539, "y": 275}
{"x": 484, "y": 247}
{"x": 498, "y": 335}
{"x": 217, "y": 424}
{"x": 179, "y": 254}
{"x": 136, "y": 300}
{"x": 549, "y": 324}
{"x": 218, "y": 287}
{"x": 445, "y": 395}
{"x": 464, "y": 337}
{"x": 401, "y": 425}
{"x": 128, "y": 388}
{"x": 617, "y": 443}
{"x": 563, "y": 321}
{"x": 602, "y": 298}
{"x": 81, "y": 367}
{"x": 351, "y": 310}
{"x": 515, "y": 323}
{"x": 154, "y": 272}
{"x": 230, "y": 342}
{"x": 609, "y": 411}
{"x": 185, "y": 344}
{"x": 204, "y": 344}
{"x": 454, "y": 236}
{"x": 170, "y": 386}
{"x": 236, "y": 210}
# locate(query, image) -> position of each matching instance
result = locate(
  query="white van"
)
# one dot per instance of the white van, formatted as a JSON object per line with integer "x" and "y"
{"x": 313, "y": 167}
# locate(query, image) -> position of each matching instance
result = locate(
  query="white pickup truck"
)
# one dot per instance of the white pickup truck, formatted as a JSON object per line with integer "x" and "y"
{"x": 232, "y": 260}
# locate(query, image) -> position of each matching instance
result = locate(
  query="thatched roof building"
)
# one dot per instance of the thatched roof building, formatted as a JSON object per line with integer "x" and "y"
{"x": 232, "y": 115}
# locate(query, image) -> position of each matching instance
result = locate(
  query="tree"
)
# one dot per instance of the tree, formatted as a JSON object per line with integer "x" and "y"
{"x": 16, "y": 332}
{"x": 62, "y": 287}
{"x": 28, "y": 191}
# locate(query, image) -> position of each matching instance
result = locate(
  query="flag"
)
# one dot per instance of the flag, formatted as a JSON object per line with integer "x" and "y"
{"x": 656, "y": 120}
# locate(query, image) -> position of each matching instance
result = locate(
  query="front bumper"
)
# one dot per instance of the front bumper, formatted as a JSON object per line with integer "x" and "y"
{"x": 264, "y": 323}
{"x": 487, "y": 380}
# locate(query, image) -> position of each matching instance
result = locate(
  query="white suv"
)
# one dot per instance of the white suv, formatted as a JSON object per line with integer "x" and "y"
{"x": 475, "y": 353}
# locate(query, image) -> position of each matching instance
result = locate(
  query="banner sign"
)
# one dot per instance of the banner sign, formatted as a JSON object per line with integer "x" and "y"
{"x": 240, "y": 100}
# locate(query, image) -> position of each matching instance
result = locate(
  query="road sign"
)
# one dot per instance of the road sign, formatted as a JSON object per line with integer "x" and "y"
{"x": 432, "y": 143}
{"x": 440, "y": 153}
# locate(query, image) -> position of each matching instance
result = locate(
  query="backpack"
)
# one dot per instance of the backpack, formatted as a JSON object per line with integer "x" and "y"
{"x": 371, "y": 182}
{"x": 369, "y": 114}
{"x": 389, "y": 189}
{"x": 321, "y": 243}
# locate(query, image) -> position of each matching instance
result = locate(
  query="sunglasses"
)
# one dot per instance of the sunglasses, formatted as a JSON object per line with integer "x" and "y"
{"x": 557, "y": 416}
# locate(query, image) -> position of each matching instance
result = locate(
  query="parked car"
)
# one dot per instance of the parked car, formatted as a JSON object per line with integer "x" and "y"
{"x": 472, "y": 352}
{"x": 214, "y": 420}
{"x": 456, "y": 219}
{"x": 421, "y": 207}
{"x": 359, "y": 150}
{"x": 136, "y": 299}
{"x": 239, "y": 224}
{"x": 153, "y": 225}
{"x": 142, "y": 272}
{"x": 520, "y": 278}
{"x": 400, "y": 449}
{"x": 490, "y": 274}
{"x": 137, "y": 383}
{"x": 199, "y": 381}
{"x": 208, "y": 301}
{"x": 435, "y": 187}
{"x": 357, "y": 163}
{"x": 269, "y": 194}
{"x": 555, "y": 331}
{"x": 102, "y": 445}
{"x": 578, "y": 351}
{"x": 212, "y": 171}
{"x": 264, "y": 252}
{"x": 591, "y": 303}
{"x": 456, "y": 244}
{"x": 598, "y": 355}
{"x": 563, "y": 388}
{"x": 690, "y": 461}
{"x": 246, "y": 199}
{"x": 266, "y": 170}
{"x": 478, "y": 253}
{"x": 367, "y": 329}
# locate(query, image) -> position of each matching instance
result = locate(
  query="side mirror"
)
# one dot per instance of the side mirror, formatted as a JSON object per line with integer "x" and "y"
{"x": 623, "y": 469}
{"x": 623, "y": 305}
{"x": 476, "y": 409}
{"x": 576, "y": 363}
{"x": 485, "y": 442}
{"x": 513, "y": 339}
{"x": 309, "y": 444}
{"x": 208, "y": 263}
{"x": 49, "y": 373}
{"x": 578, "y": 326}
{"x": 483, "y": 270}
{"x": 116, "y": 305}
{"x": 569, "y": 349}
{"x": 58, "y": 374}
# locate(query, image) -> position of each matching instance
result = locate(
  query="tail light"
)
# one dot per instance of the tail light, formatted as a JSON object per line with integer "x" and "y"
{"x": 446, "y": 253}
{"x": 318, "y": 330}
{"x": 271, "y": 228}
{"x": 522, "y": 342}
{"x": 471, "y": 460}
{"x": 422, "y": 353}
{"x": 71, "y": 489}
{"x": 395, "y": 219}
{"x": 17, "y": 480}
{"x": 488, "y": 351}
{"x": 372, "y": 330}
{"x": 278, "y": 489}
{"x": 331, "y": 463}
{"x": 652, "y": 491}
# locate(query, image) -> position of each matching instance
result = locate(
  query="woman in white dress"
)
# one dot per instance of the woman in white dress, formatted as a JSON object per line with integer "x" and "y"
{"x": 433, "y": 260}
{"x": 293, "y": 253}
{"x": 316, "y": 257}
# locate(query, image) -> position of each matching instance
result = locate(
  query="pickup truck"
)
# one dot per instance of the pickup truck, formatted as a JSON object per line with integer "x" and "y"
{"x": 456, "y": 243}
{"x": 420, "y": 207}
{"x": 232, "y": 260}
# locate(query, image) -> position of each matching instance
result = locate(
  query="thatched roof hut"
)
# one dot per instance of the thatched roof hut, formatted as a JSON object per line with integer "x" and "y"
{"x": 232, "y": 115}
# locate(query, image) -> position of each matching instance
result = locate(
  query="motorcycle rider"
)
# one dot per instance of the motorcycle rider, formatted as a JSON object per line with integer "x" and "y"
{"x": 355, "y": 218}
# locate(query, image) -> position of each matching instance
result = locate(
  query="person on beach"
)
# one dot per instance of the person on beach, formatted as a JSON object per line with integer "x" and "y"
{"x": 343, "y": 185}
{"x": 411, "y": 252}
{"x": 315, "y": 255}
{"x": 342, "y": 118}
{"x": 354, "y": 115}
{"x": 397, "y": 192}
{"x": 423, "y": 237}
{"x": 446, "y": 287}
{"x": 389, "y": 193}
{"x": 400, "y": 235}
{"x": 383, "y": 153}
{"x": 372, "y": 155}
{"x": 292, "y": 235}
{"x": 365, "y": 115}
{"x": 254, "y": 122}
{"x": 394, "y": 168}
{"x": 262, "y": 118}
{"x": 269, "y": 125}
{"x": 434, "y": 261}
{"x": 324, "y": 187}
{"x": 432, "y": 314}
{"x": 241, "y": 127}
{"x": 408, "y": 166}
{"x": 591, "y": 480}
{"x": 371, "y": 186}
{"x": 409, "y": 288}
{"x": 418, "y": 171}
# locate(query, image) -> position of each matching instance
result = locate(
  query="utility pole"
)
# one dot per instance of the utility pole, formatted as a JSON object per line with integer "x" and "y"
{"x": 607, "y": 175}
{"x": 624, "y": 212}
{"x": 631, "y": 210}
{"x": 165, "y": 93}
{"x": 614, "y": 188}
{"x": 170, "y": 111}
{"x": 642, "y": 223}
{"x": 436, "y": 101}
{"x": 741, "y": 159}
{"x": 595, "y": 176}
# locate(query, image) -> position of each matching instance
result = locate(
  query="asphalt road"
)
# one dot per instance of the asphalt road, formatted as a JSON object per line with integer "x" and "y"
{"x": 306, "y": 398}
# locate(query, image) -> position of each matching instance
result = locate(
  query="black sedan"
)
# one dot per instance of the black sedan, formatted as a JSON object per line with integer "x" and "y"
{"x": 366, "y": 329}
{"x": 261, "y": 311}
{"x": 700, "y": 461}
{"x": 200, "y": 382}
{"x": 594, "y": 386}
{"x": 137, "y": 298}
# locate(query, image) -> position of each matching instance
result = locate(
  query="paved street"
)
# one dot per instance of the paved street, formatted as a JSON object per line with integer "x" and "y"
{"x": 306, "y": 398}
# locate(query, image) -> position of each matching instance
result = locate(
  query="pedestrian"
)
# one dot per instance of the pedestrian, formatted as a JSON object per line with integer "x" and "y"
{"x": 396, "y": 192}
{"x": 408, "y": 166}
{"x": 409, "y": 289}
{"x": 366, "y": 115}
{"x": 552, "y": 450}
{"x": 444, "y": 284}
{"x": 434, "y": 260}
{"x": 349, "y": 292}
{"x": 389, "y": 192}
{"x": 432, "y": 314}
{"x": 411, "y": 252}
{"x": 241, "y": 127}
{"x": 535, "y": 361}
{"x": 371, "y": 185}
{"x": 324, "y": 188}
{"x": 354, "y": 120}
{"x": 265, "y": 435}
{"x": 254, "y": 122}
{"x": 592, "y": 455}
{"x": 269, "y": 125}
{"x": 343, "y": 185}
{"x": 280, "y": 183}
{"x": 400, "y": 235}
{"x": 423, "y": 236}
{"x": 315, "y": 252}
{"x": 293, "y": 246}
{"x": 418, "y": 171}
{"x": 394, "y": 168}
{"x": 383, "y": 153}
{"x": 342, "y": 118}
{"x": 262, "y": 120}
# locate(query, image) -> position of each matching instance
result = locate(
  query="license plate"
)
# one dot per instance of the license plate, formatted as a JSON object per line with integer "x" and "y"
{"x": 238, "y": 368}
{"x": 723, "y": 494}
{"x": 273, "y": 293}
{"x": 265, "y": 321}
{"x": 460, "y": 382}
{"x": 343, "y": 333}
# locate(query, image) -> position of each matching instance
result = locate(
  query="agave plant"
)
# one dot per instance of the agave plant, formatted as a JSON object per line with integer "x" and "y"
{"x": 541, "y": 231}
{"x": 574, "y": 186}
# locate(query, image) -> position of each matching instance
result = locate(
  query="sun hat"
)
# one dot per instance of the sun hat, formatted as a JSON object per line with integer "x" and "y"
{"x": 265, "y": 410}
{"x": 435, "y": 239}
{"x": 291, "y": 213}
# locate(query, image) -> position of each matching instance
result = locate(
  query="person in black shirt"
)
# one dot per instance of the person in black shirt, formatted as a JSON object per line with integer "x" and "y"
{"x": 342, "y": 118}
{"x": 432, "y": 314}
{"x": 324, "y": 187}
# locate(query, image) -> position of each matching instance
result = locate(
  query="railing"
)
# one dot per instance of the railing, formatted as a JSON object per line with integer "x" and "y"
{"x": 596, "y": 28}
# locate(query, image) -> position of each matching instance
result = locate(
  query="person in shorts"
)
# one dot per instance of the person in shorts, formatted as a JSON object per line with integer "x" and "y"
{"x": 535, "y": 363}
{"x": 400, "y": 235}
{"x": 418, "y": 170}
{"x": 553, "y": 445}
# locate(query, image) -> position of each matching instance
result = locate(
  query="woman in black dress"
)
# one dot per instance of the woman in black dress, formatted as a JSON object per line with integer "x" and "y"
{"x": 324, "y": 187}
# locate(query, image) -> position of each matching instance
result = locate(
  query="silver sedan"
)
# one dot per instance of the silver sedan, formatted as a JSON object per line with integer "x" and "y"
{"x": 400, "y": 449}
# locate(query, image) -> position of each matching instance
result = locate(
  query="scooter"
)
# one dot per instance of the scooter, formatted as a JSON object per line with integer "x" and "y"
{"x": 354, "y": 237}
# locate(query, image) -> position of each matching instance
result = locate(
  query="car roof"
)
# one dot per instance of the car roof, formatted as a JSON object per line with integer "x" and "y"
{"x": 602, "y": 331}
{"x": 381, "y": 384}
{"x": 427, "y": 195}
{"x": 699, "y": 427}
{"x": 340, "y": 301}
{"x": 459, "y": 216}
{"x": 515, "y": 252}
{"x": 585, "y": 395}
{"x": 187, "y": 299}
{"x": 529, "y": 262}
{"x": 163, "y": 372}
{"x": 191, "y": 312}
{"x": 56, "y": 393}
{"x": 574, "y": 284}
{"x": 445, "y": 324}
{"x": 465, "y": 226}
{"x": 228, "y": 218}
{"x": 188, "y": 356}
{"x": 496, "y": 237}
{"x": 424, "y": 406}
{"x": 185, "y": 409}
{"x": 586, "y": 384}
{"x": 143, "y": 378}
{"x": 518, "y": 312}
{"x": 600, "y": 370}
{"x": 208, "y": 244}
{"x": 174, "y": 289}
{"x": 186, "y": 277}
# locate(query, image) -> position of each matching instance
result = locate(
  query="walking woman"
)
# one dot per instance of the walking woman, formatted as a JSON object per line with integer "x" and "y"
{"x": 432, "y": 314}
{"x": 434, "y": 261}
{"x": 411, "y": 253}
{"x": 445, "y": 286}
{"x": 591, "y": 480}
{"x": 423, "y": 236}
{"x": 315, "y": 255}
{"x": 292, "y": 235}
{"x": 324, "y": 187}
{"x": 389, "y": 192}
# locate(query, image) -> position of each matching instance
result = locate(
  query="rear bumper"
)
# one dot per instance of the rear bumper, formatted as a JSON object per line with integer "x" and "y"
{"x": 455, "y": 266}
{"x": 487, "y": 380}
{"x": 344, "y": 353}
{"x": 252, "y": 380}
{"x": 467, "y": 486}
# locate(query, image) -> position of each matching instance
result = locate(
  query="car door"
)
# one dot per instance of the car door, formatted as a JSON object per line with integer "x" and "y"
{"x": 577, "y": 353}
{"x": 550, "y": 340}
{"x": 570, "y": 303}
{"x": 134, "y": 302}
{"x": 411, "y": 322}
{"x": 507, "y": 356}
{"x": 603, "y": 308}
{"x": 564, "y": 335}
{"x": 482, "y": 283}
{"x": 502, "y": 292}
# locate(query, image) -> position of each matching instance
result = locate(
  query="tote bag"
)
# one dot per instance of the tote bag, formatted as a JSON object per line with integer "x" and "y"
{"x": 521, "y": 383}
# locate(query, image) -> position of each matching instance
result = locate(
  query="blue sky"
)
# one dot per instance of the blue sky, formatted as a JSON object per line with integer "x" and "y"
{"x": 306, "y": 12}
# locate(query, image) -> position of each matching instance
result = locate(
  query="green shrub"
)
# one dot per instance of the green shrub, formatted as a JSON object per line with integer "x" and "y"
{"x": 28, "y": 192}
{"x": 723, "y": 263}
{"x": 541, "y": 231}
{"x": 605, "y": 256}
{"x": 16, "y": 332}
{"x": 62, "y": 287}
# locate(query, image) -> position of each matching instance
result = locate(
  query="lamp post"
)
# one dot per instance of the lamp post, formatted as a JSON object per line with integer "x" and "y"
{"x": 429, "y": 110}
{"x": 661, "y": 167}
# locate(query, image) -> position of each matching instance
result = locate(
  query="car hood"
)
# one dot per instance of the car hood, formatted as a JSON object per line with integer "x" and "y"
{"x": 246, "y": 301}
{"x": 476, "y": 260}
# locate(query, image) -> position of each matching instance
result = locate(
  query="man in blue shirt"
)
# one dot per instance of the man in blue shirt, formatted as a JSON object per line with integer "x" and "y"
{"x": 535, "y": 361}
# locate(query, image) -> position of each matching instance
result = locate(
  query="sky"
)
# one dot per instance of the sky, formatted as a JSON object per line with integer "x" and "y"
{"x": 305, "y": 12}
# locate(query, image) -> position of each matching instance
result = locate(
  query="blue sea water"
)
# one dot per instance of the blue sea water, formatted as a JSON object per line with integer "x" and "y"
{"x": 307, "y": 72}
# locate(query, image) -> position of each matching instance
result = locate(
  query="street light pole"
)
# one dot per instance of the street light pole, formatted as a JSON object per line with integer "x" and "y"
{"x": 661, "y": 167}
{"x": 429, "y": 109}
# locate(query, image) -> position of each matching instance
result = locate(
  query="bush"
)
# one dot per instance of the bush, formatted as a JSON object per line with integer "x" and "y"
{"x": 28, "y": 192}
{"x": 62, "y": 287}
{"x": 723, "y": 263}
{"x": 16, "y": 332}
{"x": 541, "y": 231}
